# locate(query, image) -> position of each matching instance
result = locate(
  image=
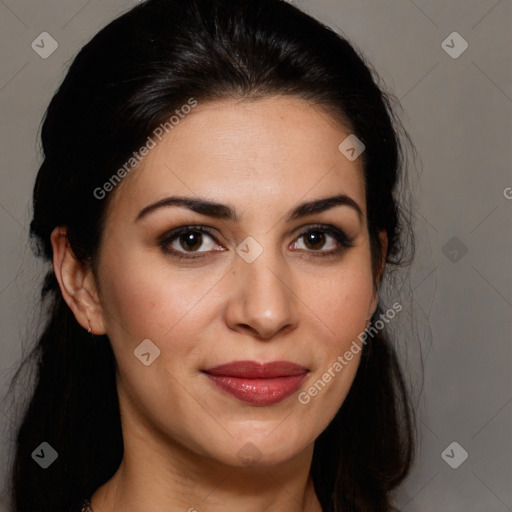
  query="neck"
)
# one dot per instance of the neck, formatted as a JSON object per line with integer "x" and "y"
{"x": 160, "y": 475}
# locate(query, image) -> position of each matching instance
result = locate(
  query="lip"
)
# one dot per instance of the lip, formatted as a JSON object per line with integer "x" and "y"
{"x": 256, "y": 383}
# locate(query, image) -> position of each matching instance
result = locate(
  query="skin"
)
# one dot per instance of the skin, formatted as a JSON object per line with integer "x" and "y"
{"x": 182, "y": 436}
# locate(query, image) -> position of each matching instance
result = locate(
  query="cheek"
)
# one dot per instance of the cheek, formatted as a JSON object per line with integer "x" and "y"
{"x": 337, "y": 354}
{"x": 132, "y": 299}
{"x": 340, "y": 308}
{"x": 153, "y": 301}
{"x": 344, "y": 303}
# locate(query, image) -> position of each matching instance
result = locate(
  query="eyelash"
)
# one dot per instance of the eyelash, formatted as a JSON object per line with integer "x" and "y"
{"x": 340, "y": 236}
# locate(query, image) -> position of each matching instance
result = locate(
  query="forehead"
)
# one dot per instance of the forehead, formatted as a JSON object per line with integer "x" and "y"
{"x": 266, "y": 152}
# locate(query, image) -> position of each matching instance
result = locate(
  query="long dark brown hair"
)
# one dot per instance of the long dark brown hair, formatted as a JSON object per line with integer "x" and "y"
{"x": 122, "y": 85}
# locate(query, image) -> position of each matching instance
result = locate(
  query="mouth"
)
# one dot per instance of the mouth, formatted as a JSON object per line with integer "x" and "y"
{"x": 256, "y": 383}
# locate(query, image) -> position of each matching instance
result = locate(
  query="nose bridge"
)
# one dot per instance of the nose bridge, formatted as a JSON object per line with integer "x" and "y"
{"x": 263, "y": 299}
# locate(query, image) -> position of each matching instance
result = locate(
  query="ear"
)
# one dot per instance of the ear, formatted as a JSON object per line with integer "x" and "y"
{"x": 76, "y": 283}
{"x": 383, "y": 239}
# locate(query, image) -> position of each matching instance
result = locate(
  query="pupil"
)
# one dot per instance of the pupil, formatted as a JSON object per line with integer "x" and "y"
{"x": 189, "y": 241}
{"x": 319, "y": 238}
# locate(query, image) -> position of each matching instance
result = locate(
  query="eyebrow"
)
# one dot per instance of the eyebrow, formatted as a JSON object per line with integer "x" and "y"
{"x": 223, "y": 211}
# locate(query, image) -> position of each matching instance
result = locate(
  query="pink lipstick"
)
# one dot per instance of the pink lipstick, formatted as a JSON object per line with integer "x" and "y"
{"x": 256, "y": 383}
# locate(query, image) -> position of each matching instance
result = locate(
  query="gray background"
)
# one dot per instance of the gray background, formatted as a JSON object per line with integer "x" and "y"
{"x": 458, "y": 113}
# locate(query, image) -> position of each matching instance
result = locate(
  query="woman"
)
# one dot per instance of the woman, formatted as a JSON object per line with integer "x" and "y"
{"x": 218, "y": 202}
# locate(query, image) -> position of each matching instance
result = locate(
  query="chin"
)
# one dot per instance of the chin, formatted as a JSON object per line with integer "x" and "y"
{"x": 270, "y": 448}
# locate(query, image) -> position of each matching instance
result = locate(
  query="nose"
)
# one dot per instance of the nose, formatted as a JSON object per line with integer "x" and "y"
{"x": 262, "y": 302}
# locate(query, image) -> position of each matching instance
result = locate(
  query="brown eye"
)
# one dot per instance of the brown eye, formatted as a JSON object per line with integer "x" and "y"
{"x": 317, "y": 237}
{"x": 314, "y": 240}
{"x": 188, "y": 240}
{"x": 191, "y": 241}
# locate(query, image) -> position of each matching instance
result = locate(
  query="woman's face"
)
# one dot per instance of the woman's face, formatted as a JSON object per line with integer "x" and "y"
{"x": 251, "y": 288}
